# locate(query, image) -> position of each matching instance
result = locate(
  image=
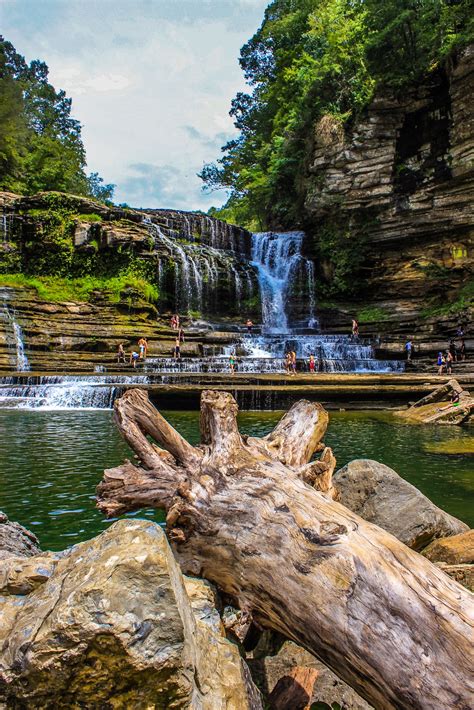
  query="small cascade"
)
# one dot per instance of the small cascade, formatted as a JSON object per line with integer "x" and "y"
{"x": 14, "y": 334}
{"x": 200, "y": 270}
{"x": 64, "y": 392}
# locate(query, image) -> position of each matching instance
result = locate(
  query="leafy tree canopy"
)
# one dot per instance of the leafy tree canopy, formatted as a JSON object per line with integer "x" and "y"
{"x": 40, "y": 143}
{"x": 320, "y": 58}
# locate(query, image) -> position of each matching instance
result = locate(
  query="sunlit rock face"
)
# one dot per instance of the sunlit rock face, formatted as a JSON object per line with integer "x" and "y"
{"x": 399, "y": 182}
{"x": 112, "y": 623}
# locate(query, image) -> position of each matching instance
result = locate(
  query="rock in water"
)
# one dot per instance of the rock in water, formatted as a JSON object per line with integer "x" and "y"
{"x": 112, "y": 626}
{"x": 379, "y": 495}
{"x": 15, "y": 540}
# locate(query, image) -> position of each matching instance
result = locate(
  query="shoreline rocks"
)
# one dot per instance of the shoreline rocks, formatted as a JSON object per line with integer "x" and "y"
{"x": 379, "y": 495}
{"x": 113, "y": 624}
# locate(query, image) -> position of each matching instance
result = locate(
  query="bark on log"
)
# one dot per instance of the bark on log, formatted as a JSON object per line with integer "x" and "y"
{"x": 386, "y": 620}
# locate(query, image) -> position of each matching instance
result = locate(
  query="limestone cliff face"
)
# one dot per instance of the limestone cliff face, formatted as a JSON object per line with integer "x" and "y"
{"x": 401, "y": 180}
{"x": 198, "y": 263}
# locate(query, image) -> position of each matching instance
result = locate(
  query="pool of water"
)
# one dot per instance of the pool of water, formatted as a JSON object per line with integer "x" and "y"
{"x": 51, "y": 462}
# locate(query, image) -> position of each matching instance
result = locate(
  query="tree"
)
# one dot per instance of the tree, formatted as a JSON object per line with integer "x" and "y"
{"x": 41, "y": 146}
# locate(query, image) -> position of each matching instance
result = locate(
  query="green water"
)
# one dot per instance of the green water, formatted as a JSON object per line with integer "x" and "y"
{"x": 51, "y": 462}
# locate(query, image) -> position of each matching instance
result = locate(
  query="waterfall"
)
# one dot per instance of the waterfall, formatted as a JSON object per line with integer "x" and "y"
{"x": 278, "y": 259}
{"x": 14, "y": 334}
{"x": 64, "y": 392}
{"x": 197, "y": 268}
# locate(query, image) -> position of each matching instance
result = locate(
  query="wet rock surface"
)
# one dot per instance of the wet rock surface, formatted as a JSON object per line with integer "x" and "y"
{"x": 15, "y": 540}
{"x": 112, "y": 624}
{"x": 379, "y": 495}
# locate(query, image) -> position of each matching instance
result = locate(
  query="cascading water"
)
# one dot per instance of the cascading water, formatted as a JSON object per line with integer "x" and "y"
{"x": 282, "y": 272}
{"x": 14, "y": 333}
{"x": 279, "y": 262}
{"x": 64, "y": 392}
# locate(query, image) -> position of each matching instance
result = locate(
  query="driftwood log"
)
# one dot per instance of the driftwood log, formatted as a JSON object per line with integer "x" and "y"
{"x": 246, "y": 513}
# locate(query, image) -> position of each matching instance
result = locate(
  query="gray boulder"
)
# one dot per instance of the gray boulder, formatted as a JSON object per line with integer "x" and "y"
{"x": 379, "y": 495}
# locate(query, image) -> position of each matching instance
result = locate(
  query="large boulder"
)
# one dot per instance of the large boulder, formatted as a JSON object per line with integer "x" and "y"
{"x": 379, "y": 495}
{"x": 15, "y": 540}
{"x": 455, "y": 550}
{"x": 109, "y": 624}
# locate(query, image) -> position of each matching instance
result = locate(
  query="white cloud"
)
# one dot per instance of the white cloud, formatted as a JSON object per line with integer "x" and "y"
{"x": 138, "y": 73}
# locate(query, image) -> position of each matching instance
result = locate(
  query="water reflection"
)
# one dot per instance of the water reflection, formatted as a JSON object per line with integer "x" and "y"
{"x": 51, "y": 462}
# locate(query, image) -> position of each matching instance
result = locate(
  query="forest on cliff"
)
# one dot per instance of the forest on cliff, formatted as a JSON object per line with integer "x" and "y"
{"x": 40, "y": 142}
{"x": 319, "y": 63}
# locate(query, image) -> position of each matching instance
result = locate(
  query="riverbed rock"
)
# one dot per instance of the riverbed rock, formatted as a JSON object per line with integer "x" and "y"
{"x": 113, "y": 626}
{"x": 292, "y": 661}
{"x": 455, "y": 550}
{"x": 464, "y": 574}
{"x": 379, "y": 495}
{"x": 437, "y": 408}
{"x": 15, "y": 540}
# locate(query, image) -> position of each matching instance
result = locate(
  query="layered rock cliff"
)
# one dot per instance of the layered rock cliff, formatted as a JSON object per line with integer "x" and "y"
{"x": 393, "y": 195}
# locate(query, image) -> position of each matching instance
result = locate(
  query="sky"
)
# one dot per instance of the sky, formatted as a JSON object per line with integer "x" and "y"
{"x": 151, "y": 82}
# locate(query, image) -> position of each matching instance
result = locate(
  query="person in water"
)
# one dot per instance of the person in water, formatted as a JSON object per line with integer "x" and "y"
{"x": 232, "y": 363}
{"x": 177, "y": 349}
{"x": 355, "y": 328}
{"x": 249, "y": 325}
{"x": 120, "y": 353}
{"x": 409, "y": 348}
{"x": 288, "y": 363}
{"x": 134, "y": 357}
{"x": 312, "y": 363}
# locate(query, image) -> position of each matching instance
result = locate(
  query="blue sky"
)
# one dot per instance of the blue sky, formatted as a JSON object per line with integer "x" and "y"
{"x": 151, "y": 82}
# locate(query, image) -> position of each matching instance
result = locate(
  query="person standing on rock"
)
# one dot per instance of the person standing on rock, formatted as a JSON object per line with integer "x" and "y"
{"x": 355, "y": 328}
{"x": 409, "y": 349}
{"x": 134, "y": 357}
{"x": 249, "y": 325}
{"x": 142, "y": 348}
{"x": 449, "y": 362}
{"x": 312, "y": 364}
{"x": 293, "y": 362}
{"x": 181, "y": 334}
{"x": 232, "y": 363}
{"x": 121, "y": 353}
{"x": 441, "y": 362}
{"x": 177, "y": 349}
{"x": 462, "y": 350}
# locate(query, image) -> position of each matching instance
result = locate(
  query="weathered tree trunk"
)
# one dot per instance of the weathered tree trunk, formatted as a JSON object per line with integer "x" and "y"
{"x": 241, "y": 512}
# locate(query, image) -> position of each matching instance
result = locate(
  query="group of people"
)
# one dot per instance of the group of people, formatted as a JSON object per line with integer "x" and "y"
{"x": 454, "y": 353}
{"x": 135, "y": 355}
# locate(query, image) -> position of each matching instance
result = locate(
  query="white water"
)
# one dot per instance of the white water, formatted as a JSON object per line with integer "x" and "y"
{"x": 278, "y": 259}
{"x": 14, "y": 334}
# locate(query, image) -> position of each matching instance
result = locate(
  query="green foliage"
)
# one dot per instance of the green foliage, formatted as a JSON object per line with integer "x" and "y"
{"x": 81, "y": 289}
{"x": 40, "y": 143}
{"x": 371, "y": 314}
{"x": 320, "y": 58}
{"x": 342, "y": 251}
{"x": 463, "y": 303}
